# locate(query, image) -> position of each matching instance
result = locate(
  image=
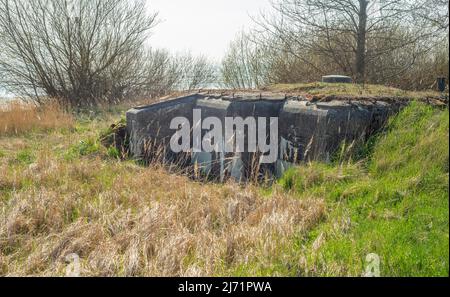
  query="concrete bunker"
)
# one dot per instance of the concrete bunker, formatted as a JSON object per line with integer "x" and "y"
{"x": 307, "y": 131}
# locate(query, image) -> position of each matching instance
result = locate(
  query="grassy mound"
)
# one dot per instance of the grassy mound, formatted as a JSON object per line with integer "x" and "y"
{"x": 395, "y": 204}
{"x": 341, "y": 89}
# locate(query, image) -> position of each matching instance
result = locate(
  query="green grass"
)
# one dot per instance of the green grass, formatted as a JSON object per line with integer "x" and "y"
{"x": 25, "y": 157}
{"x": 86, "y": 147}
{"x": 394, "y": 205}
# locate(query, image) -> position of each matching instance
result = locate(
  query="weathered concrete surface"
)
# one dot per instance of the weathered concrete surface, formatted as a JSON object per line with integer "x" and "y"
{"x": 212, "y": 163}
{"x": 307, "y": 131}
{"x": 153, "y": 122}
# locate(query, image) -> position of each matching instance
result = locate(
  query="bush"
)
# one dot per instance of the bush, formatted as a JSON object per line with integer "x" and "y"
{"x": 116, "y": 140}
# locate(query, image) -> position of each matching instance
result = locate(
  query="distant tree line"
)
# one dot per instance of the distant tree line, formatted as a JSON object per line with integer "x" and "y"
{"x": 399, "y": 43}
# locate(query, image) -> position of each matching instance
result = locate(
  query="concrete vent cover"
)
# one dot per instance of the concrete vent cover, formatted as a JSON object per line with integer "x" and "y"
{"x": 337, "y": 79}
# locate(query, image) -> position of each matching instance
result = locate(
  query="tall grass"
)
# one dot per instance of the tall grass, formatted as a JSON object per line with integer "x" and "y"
{"x": 61, "y": 194}
{"x": 19, "y": 117}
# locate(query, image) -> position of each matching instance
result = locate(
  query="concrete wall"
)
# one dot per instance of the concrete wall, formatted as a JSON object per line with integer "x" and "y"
{"x": 307, "y": 131}
{"x": 153, "y": 122}
{"x": 214, "y": 164}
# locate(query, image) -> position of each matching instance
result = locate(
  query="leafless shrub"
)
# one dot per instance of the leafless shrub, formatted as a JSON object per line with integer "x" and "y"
{"x": 161, "y": 73}
{"x": 384, "y": 42}
{"x": 80, "y": 51}
{"x": 196, "y": 72}
{"x": 244, "y": 64}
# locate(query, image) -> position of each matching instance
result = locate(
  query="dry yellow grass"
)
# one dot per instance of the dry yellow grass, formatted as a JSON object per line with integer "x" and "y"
{"x": 18, "y": 117}
{"x": 145, "y": 222}
{"x": 126, "y": 220}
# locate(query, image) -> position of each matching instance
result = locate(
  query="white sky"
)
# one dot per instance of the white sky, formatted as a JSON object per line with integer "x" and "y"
{"x": 202, "y": 26}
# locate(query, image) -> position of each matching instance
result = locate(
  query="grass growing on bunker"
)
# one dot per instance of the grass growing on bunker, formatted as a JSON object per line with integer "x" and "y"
{"x": 356, "y": 90}
{"x": 62, "y": 192}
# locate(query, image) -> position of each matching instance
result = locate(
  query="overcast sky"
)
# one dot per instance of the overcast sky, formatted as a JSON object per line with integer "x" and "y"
{"x": 202, "y": 26}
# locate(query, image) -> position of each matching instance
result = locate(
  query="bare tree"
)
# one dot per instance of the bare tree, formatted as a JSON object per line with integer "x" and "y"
{"x": 196, "y": 72}
{"x": 80, "y": 51}
{"x": 245, "y": 63}
{"x": 344, "y": 30}
{"x": 436, "y": 13}
{"x": 251, "y": 64}
{"x": 159, "y": 73}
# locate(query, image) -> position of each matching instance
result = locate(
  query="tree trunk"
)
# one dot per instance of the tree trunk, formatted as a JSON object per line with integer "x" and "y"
{"x": 361, "y": 42}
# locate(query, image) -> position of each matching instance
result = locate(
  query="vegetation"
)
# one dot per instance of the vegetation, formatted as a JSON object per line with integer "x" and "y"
{"x": 18, "y": 118}
{"x": 353, "y": 90}
{"x": 67, "y": 188}
{"x": 399, "y": 43}
{"x": 394, "y": 204}
{"x": 61, "y": 192}
{"x": 89, "y": 52}
{"x": 94, "y": 52}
